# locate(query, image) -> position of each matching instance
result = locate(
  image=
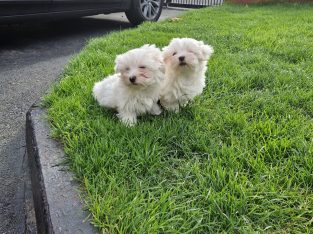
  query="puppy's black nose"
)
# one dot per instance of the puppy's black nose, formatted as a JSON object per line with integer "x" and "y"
{"x": 181, "y": 58}
{"x": 132, "y": 79}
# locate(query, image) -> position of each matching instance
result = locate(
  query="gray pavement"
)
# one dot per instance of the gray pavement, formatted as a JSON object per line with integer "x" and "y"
{"x": 31, "y": 58}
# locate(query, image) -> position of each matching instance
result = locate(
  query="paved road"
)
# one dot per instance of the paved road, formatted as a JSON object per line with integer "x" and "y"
{"x": 31, "y": 58}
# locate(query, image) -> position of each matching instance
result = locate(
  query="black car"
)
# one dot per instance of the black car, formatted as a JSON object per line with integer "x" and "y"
{"x": 137, "y": 11}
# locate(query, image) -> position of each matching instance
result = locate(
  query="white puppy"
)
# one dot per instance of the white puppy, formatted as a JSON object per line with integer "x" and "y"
{"x": 185, "y": 66}
{"x": 135, "y": 88}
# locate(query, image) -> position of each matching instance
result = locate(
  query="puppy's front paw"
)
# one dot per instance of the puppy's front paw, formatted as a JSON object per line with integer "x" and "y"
{"x": 172, "y": 107}
{"x": 128, "y": 123}
{"x": 156, "y": 110}
{"x": 129, "y": 120}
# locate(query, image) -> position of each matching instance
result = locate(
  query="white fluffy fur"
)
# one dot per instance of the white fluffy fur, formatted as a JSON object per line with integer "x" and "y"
{"x": 183, "y": 81}
{"x": 133, "y": 99}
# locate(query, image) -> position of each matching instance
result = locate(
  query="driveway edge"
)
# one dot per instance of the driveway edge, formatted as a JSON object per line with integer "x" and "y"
{"x": 58, "y": 207}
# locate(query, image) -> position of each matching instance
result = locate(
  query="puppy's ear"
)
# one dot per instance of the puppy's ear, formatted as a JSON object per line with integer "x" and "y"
{"x": 156, "y": 54}
{"x": 118, "y": 63}
{"x": 206, "y": 51}
{"x": 161, "y": 64}
{"x": 166, "y": 53}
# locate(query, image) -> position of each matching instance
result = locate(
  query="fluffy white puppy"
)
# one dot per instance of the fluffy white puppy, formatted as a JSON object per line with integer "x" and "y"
{"x": 135, "y": 88}
{"x": 185, "y": 66}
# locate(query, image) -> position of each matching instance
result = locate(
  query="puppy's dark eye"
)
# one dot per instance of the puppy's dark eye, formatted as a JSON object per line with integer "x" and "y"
{"x": 174, "y": 53}
{"x": 142, "y": 67}
{"x": 127, "y": 68}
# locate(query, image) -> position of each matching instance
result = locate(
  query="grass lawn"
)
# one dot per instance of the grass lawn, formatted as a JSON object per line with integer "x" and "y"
{"x": 238, "y": 159}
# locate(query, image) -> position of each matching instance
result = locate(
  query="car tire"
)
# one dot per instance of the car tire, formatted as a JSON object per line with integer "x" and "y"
{"x": 144, "y": 10}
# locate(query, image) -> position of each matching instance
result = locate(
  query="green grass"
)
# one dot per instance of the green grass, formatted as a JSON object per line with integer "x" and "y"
{"x": 239, "y": 159}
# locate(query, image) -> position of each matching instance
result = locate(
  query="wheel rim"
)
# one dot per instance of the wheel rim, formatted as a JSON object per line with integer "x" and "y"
{"x": 150, "y": 8}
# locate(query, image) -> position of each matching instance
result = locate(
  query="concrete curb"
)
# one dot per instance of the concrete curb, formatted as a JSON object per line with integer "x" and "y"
{"x": 57, "y": 204}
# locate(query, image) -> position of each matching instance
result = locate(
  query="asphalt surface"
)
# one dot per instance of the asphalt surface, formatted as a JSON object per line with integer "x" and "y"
{"x": 32, "y": 57}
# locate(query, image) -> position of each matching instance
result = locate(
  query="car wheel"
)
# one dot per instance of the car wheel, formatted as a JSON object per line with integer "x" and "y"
{"x": 144, "y": 10}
